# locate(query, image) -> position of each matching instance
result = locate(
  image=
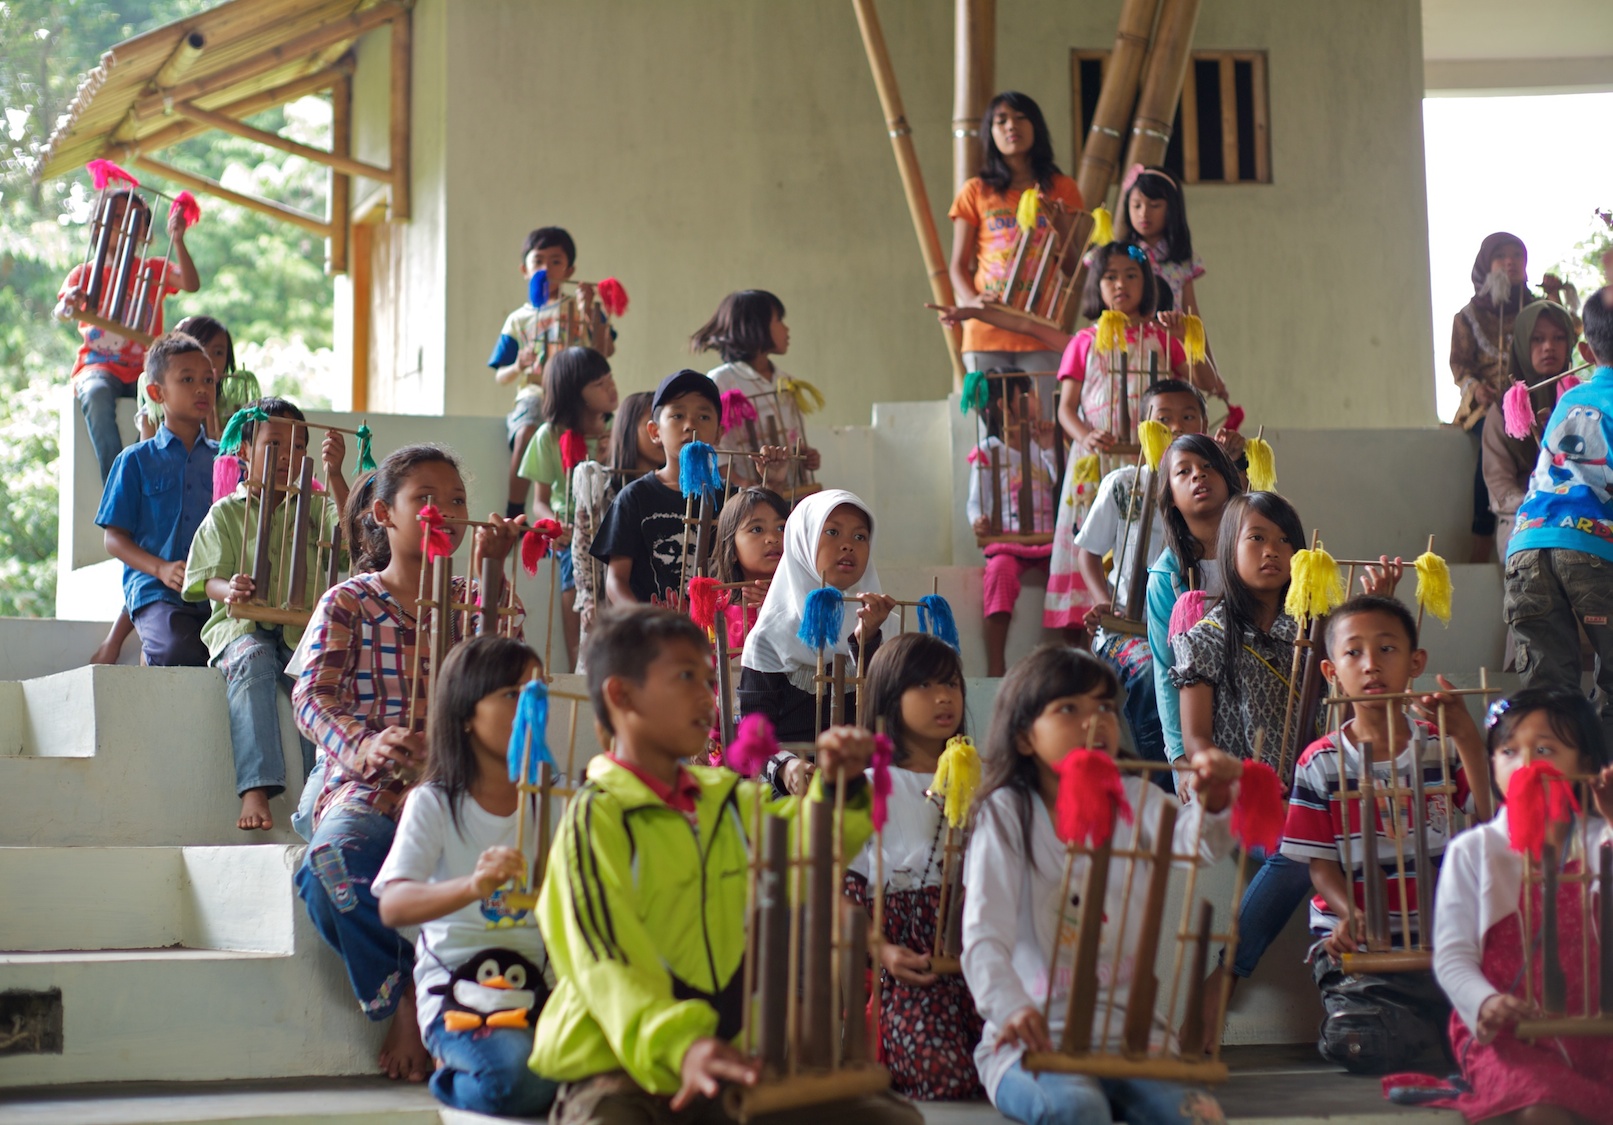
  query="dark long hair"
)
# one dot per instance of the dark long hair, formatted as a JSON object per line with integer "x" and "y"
{"x": 630, "y": 415}
{"x": 741, "y": 328}
{"x": 1156, "y": 183}
{"x": 994, "y": 170}
{"x": 564, "y": 377}
{"x": 907, "y": 662}
{"x": 734, "y": 514}
{"x": 1238, "y": 601}
{"x": 1050, "y": 672}
{"x": 1092, "y": 305}
{"x": 471, "y": 672}
{"x": 203, "y": 329}
{"x": 1189, "y": 551}
{"x": 367, "y": 545}
{"x": 1568, "y": 713}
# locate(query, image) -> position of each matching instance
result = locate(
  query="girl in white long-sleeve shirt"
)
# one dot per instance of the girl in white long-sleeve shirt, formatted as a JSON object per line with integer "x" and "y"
{"x": 1054, "y": 700}
{"x": 1478, "y": 930}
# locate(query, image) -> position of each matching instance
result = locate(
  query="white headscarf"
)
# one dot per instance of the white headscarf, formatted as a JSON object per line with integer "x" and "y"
{"x": 773, "y": 645}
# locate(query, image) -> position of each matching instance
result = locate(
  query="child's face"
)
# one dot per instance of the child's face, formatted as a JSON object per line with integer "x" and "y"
{"x": 1548, "y": 346}
{"x": 1511, "y": 260}
{"x": 1022, "y": 406}
{"x": 599, "y": 397}
{"x": 672, "y": 712}
{"x": 1121, "y": 284}
{"x": 1147, "y": 216}
{"x": 932, "y": 710}
{"x": 843, "y": 547}
{"x": 1532, "y": 740}
{"x": 780, "y": 334}
{"x": 435, "y": 482}
{"x": 1177, "y": 411}
{"x": 218, "y": 352}
{"x": 490, "y": 724}
{"x": 1264, "y": 553}
{"x": 1011, "y": 131}
{"x": 188, "y": 389}
{"x": 551, "y": 258}
{"x": 1372, "y": 655}
{"x": 291, "y": 443}
{"x": 1197, "y": 490}
{"x": 1087, "y": 720}
{"x": 759, "y": 542}
{"x": 689, "y": 417}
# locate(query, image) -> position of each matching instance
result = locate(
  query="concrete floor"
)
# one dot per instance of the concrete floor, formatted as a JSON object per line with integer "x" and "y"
{"x": 1287, "y": 1084}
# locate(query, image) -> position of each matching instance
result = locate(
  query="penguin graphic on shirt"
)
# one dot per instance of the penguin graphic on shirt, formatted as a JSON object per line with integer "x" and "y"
{"x": 492, "y": 988}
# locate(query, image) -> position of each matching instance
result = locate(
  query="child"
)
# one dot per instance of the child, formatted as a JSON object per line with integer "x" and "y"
{"x": 358, "y": 701}
{"x": 579, "y": 396}
{"x": 927, "y": 1023}
{"x": 643, "y": 909}
{"x": 1006, "y": 563}
{"x": 1153, "y": 215}
{"x": 522, "y": 351}
{"x": 747, "y": 329}
{"x": 633, "y": 453}
{"x": 829, "y": 536}
{"x": 1562, "y": 539}
{"x": 477, "y": 960}
{"x": 234, "y": 389}
{"x": 1056, "y": 699}
{"x": 156, "y": 496}
{"x": 1479, "y": 955}
{"x": 750, "y": 545}
{"x": 1016, "y": 152}
{"x": 109, "y": 365}
{"x": 253, "y": 654}
{"x": 1376, "y": 1022}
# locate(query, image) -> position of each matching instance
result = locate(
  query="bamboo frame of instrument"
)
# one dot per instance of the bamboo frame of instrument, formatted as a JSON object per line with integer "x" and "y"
{"x": 1017, "y": 438}
{"x": 1098, "y": 1039}
{"x": 1046, "y": 263}
{"x": 811, "y": 1041}
{"x": 1567, "y": 1012}
{"x": 907, "y": 166}
{"x": 802, "y": 481}
{"x": 123, "y": 287}
{"x": 557, "y": 784}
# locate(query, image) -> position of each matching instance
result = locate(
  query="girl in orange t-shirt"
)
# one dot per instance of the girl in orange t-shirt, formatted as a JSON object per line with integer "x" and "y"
{"x": 1016, "y": 153}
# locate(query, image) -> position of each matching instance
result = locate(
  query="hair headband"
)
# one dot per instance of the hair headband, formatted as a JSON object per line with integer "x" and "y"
{"x": 1135, "y": 253}
{"x": 1138, "y": 170}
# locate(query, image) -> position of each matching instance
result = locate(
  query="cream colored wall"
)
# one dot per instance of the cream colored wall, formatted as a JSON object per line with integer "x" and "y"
{"x": 709, "y": 145}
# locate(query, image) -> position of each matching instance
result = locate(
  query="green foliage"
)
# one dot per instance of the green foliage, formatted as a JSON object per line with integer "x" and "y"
{"x": 261, "y": 277}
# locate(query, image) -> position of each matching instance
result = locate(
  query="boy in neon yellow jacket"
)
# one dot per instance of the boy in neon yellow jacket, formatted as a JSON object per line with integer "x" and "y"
{"x": 643, "y": 906}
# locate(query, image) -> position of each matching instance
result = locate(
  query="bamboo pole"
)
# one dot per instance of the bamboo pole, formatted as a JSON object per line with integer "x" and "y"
{"x": 1162, "y": 82}
{"x": 401, "y": 117}
{"x": 250, "y": 202}
{"x": 907, "y": 166}
{"x": 1101, "y": 153}
{"x": 340, "y": 213}
{"x": 975, "y": 54}
{"x": 184, "y": 129}
{"x": 180, "y": 62}
{"x": 337, "y": 161}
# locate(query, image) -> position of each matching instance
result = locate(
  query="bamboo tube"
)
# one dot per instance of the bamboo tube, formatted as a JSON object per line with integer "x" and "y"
{"x": 266, "y": 506}
{"x": 1144, "y": 993}
{"x": 442, "y": 575}
{"x": 1394, "y": 961}
{"x": 705, "y": 533}
{"x": 1604, "y": 929}
{"x": 400, "y": 115}
{"x": 907, "y": 166}
{"x": 1375, "y": 892}
{"x": 817, "y": 991}
{"x": 1137, "y": 587}
{"x": 725, "y": 684}
{"x": 340, "y": 214}
{"x": 854, "y": 989}
{"x": 134, "y": 221}
{"x": 180, "y": 62}
{"x": 1193, "y": 1020}
{"x": 1083, "y": 1005}
{"x": 1162, "y": 80}
{"x": 1058, "y": 932}
{"x": 545, "y": 819}
{"x": 1101, "y": 152}
{"x": 1122, "y": 921}
{"x": 837, "y": 691}
{"x": 1553, "y": 985}
{"x": 996, "y": 490}
{"x": 1026, "y": 499}
{"x": 1425, "y": 864}
{"x": 773, "y": 928}
{"x": 491, "y": 575}
{"x": 297, "y": 567}
{"x": 333, "y": 571}
{"x": 975, "y": 56}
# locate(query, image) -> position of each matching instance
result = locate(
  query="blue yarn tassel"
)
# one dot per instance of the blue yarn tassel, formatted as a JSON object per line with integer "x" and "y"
{"x": 822, "y": 618}
{"x": 699, "y": 473}
{"x": 531, "y": 720}
{"x": 537, "y": 289}
{"x": 935, "y": 618}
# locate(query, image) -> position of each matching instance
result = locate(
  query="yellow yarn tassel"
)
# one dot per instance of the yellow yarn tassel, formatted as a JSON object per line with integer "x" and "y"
{"x": 1315, "y": 585}
{"x": 1086, "y": 469}
{"x": 1434, "y": 585}
{"x": 1262, "y": 465}
{"x": 808, "y": 399}
{"x": 1103, "y": 227}
{"x": 1155, "y": 438}
{"x": 1111, "y": 336}
{"x": 957, "y": 777}
{"x": 1030, "y": 207}
{"x": 1193, "y": 338}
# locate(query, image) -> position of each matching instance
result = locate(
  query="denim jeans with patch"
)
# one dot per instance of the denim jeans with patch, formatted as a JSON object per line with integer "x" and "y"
{"x": 485, "y": 1071}
{"x": 348, "y": 847}
{"x": 1052, "y": 1098}
{"x": 98, "y": 391}
{"x": 1550, "y": 596}
{"x": 254, "y": 668}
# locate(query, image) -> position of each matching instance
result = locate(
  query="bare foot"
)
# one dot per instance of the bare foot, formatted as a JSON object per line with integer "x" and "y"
{"x": 403, "y": 1056}
{"x": 255, "y": 811}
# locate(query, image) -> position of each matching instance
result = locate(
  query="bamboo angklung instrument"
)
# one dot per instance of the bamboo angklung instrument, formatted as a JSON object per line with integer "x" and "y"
{"x": 1168, "y": 62}
{"x": 1100, "y": 155}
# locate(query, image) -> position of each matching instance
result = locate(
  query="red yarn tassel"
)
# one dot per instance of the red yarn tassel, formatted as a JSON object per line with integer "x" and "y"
{"x": 1090, "y": 794}
{"x": 1537, "y": 794}
{"x": 613, "y": 296}
{"x": 103, "y": 172}
{"x": 189, "y": 210}
{"x": 438, "y": 544}
{"x": 536, "y": 542}
{"x": 703, "y": 601}
{"x": 1258, "y": 810}
{"x": 884, "y": 751}
{"x": 1234, "y": 418}
{"x": 573, "y": 450}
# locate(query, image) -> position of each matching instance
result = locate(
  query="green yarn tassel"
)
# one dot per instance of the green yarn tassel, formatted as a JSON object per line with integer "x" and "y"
{"x": 235, "y": 390}
{"x": 366, "y": 455}
{"x": 974, "y": 392}
{"x": 230, "y": 440}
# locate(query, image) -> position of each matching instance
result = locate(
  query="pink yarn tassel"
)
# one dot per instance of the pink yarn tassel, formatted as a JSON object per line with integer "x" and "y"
{"x": 753, "y": 745}
{"x": 1187, "y": 612}
{"x": 737, "y": 409}
{"x": 1566, "y": 384}
{"x": 226, "y": 475}
{"x": 884, "y": 750}
{"x": 1516, "y": 414}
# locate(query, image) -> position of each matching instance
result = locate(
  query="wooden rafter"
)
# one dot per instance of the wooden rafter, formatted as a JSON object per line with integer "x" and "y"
{"x": 339, "y": 161}
{"x": 240, "y": 199}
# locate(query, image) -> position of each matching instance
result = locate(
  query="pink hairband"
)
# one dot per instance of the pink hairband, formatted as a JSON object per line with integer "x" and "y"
{"x": 1137, "y": 170}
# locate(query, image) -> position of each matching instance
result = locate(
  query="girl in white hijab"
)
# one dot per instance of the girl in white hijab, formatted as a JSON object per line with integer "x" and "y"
{"x": 828, "y": 537}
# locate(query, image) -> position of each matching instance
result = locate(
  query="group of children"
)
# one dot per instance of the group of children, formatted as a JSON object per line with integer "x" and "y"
{"x": 617, "y": 993}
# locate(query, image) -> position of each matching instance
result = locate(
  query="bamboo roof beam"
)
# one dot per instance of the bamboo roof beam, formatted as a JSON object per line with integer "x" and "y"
{"x": 228, "y": 124}
{"x": 250, "y": 202}
{"x": 401, "y": 112}
{"x": 253, "y": 103}
{"x": 180, "y": 62}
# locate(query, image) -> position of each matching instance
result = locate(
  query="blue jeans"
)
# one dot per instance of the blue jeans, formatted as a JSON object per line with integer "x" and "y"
{"x": 1129, "y": 658}
{"x": 98, "y": 391}
{"x": 347, "y": 849}
{"x": 302, "y": 821}
{"x": 1270, "y": 899}
{"x": 485, "y": 1071}
{"x": 254, "y": 668}
{"x": 568, "y": 572}
{"x": 1076, "y": 1099}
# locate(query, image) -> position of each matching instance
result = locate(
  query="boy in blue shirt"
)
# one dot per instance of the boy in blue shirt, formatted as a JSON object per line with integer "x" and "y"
{"x": 1560, "y": 558}
{"x": 156, "y": 496}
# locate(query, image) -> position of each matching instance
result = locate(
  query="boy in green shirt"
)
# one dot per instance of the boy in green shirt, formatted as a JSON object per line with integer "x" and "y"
{"x": 253, "y": 654}
{"x": 643, "y": 906}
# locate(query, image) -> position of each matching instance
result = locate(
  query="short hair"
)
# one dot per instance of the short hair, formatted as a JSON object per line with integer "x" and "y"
{"x": 165, "y": 348}
{"x": 1175, "y": 387}
{"x": 741, "y": 328}
{"x": 548, "y": 238}
{"x": 1597, "y": 314}
{"x": 272, "y": 406}
{"x": 1092, "y": 305}
{"x": 1369, "y": 603}
{"x": 624, "y": 642}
